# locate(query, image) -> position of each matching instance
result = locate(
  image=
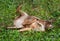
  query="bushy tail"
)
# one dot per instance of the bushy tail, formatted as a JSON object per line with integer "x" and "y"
{"x": 18, "y": 10}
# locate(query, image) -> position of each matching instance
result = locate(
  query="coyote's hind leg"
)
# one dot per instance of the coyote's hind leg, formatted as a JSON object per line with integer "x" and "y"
{"x": 13, "y": 27}
{"x": 25, "y": 29}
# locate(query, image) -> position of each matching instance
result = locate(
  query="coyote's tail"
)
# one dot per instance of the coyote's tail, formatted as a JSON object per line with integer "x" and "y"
{"x": 18, "y": 10}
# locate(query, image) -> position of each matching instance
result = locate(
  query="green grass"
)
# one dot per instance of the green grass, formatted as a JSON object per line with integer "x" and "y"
{"x": 44, "y": 9}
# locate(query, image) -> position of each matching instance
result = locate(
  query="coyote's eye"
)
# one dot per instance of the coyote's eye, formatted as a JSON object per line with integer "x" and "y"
{"x": 37, "y": 19}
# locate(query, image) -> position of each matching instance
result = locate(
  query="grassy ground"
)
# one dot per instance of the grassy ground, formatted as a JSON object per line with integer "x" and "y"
{"x": 44, "y": 9}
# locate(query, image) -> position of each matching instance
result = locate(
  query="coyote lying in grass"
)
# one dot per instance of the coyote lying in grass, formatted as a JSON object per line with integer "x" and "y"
{"x": 26, "y": 22}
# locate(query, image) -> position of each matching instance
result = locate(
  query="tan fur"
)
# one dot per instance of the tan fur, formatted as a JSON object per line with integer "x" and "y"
{"x": 27, "y": 22}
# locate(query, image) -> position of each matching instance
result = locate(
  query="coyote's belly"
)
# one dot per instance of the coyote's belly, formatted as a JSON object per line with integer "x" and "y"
{"x": 19, "y": 22}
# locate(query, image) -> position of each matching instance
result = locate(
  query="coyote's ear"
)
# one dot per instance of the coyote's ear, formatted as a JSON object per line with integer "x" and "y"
{"x": 52, "y": 20}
